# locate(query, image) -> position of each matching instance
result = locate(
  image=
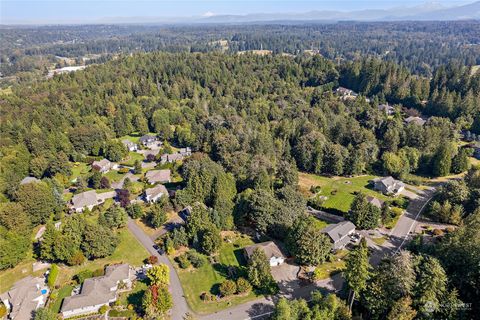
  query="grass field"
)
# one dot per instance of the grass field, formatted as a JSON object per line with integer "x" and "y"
{"x": 114, "y": 175}
{"x": 128, "y": 251}
{"x": 79, "y": 169}
{"x": 64, "y": 292}
{"x": 320, "y": 224}
{"x": 208, "y": 277}
{"x": 338, "y": 190}
{"x": 24, "y": 269}
{"x": 131, "y": 158}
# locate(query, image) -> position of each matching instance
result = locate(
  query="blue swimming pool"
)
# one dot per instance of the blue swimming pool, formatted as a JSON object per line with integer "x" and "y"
{"x": 44, "y": 291}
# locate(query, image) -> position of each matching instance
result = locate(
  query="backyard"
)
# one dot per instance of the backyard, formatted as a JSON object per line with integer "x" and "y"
{"x": 339, "y": 191}
{"x": 328, "y": 269}
{"x": 208, "y": 277}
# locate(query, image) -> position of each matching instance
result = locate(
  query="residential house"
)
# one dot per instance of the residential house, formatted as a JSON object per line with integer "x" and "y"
{"x": 131, "y": 146}
{"x": 26, "y": 296}
{"x": 97, "y": 292}
{"x": 29, "y": 180}
{"x": 389, "y": 185}
{"x": 155, "y": 193}
{"x": 104, "y": 165}
{"x": 171, "y": 158}
{"x": 346, "y": 93}
{"x": 271, "y": 250}
{"x": 415, "y": 120}
{"x": 339, "y": 233}
{"x": 87, "y": 199}
{"x": 186, "y": 152}
{"x": 376, "y": 202}
{"x": 387, "y": 109}
{"x": 148, "y": 141}
{"x": 158, "y": 176}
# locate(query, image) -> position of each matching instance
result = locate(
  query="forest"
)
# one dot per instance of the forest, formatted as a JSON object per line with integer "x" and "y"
{"x": 254, "y": 122}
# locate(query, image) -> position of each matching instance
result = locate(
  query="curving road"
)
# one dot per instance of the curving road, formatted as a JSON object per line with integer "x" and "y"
{"x": 180, "y": 306}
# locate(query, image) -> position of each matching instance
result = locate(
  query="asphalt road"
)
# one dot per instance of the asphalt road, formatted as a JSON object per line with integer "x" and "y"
{"x": 180, "y": 306}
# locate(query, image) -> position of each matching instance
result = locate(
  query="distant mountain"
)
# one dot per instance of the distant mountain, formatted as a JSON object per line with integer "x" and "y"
{"x": 429, "y": 11}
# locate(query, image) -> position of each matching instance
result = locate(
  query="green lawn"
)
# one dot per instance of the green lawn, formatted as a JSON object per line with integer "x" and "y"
{"x": 328, "y": 269}
{"x": 128, "y": 251}
{"x": 79, "y": 169}
{"x": 208, "y": 277}
{"x": 64, "y": 292}
{"x": 339, "y": 191}
{"x": 320, "y": 224}
{"x": 114, "y": 175}
{"x": 131, "y": 158}
{"x": 24, "y": 269}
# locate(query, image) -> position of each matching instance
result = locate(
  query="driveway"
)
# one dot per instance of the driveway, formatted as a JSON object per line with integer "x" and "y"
{"x": 286, "y": 277}
{"x": 180, "y": 306}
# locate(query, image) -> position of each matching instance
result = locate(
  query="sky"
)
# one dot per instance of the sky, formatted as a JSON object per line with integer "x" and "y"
{"x": 87, "y": 10}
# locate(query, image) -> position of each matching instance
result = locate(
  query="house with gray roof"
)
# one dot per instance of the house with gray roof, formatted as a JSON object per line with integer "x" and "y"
{"x": 155, "y": 193}
{"x": 29, "y": 180}
{"x": 345, "y": 93}
{"x": 87, "y": 199}
{"x": 376, "y": 202}
{"x": 131, "y": 146}
{"x": 272, "y": 251}
{"x": 26, "y": 296}
{"x": 339, "y": 233}
{"x": 387, "y": 109}
{"x": 158, "y": 176}
{"x": 148, "y": 140}
{"x": 415, "y": 120}
{"x": 389, "y": 185}
{"x": 104, "y": 165}
{"x": 97, "y": 292}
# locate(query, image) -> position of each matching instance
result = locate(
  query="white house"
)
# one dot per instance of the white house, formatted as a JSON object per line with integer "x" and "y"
{"x": 104, "y": 165}
{"x": 389, "y": 185}
{"x": 155, "y": 193}
{"x": 131, "y": 146}
{"x": 97, "y": 292}
{"x": 271, "y": 250}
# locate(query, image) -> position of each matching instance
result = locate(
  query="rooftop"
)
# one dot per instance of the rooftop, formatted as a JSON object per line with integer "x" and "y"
{"x": 269, "y": 248}
{"x": 338, "y": 231}
{"x": 84, "y": 199}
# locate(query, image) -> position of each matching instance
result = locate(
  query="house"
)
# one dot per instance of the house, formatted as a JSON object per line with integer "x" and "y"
{"x": 389, "y": 185}
{"x": 387, "y": 109}
{"x": 131, "y": 146}
{"x": 97, "y": 292}
{"x": 339, "y": 233}
{"x": 148, "y": 140}
{"x": 415, "y": 120}
{"x": 271, "y": 250}
{"x": 26, "y": 296}
{"x": 346, "y": 93}
{"x": 87, "y": 199}
{"x": 158, "y": 176}
{"x": 186, "y": 152}
{"x": 104, "y": 165}
{"x": 155, "y": 193}
{"x": 29, "y": 180}
{"x": 376, "y": 202}
{"x": 171, "y": 158}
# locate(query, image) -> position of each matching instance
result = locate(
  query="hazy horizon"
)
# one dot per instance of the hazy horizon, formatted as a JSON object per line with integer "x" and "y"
{"x": 84, "y": 11}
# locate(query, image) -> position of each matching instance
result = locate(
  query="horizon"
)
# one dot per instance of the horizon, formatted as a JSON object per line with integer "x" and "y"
{"x": 107, "y": 11}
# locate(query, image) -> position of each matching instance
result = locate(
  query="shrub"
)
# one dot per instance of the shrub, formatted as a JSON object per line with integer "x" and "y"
{"x": 449, "y": 229}
{"x": 227, "y": 288}
{"x": 198, "y": 260}
{"x": 103, "y": 309}
{"x": 135, "y": 211}
{"x": 206, "y": 296}
{"x": 52, "y": 276}
{"x": 98, "y": 272}
{"x": 183, "y": 261}
{"x": 437, "y": 232}
{"x": 243, "y": 286}
{"x": 82, "y": 275}
{"x": 76, "y": 259}
{"x": 3, "y": 310}
{"x": 123, "y": 170}
{"x": 152, "y": 260}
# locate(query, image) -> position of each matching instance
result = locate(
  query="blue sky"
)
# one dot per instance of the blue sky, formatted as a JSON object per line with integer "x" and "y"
{"x": 87, "y": 10}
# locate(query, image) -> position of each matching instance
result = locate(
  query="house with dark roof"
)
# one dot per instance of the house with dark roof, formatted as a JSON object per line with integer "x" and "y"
{"x": 26, "y": 296}
{"x": 272, "y": 251}
{"x": 158, "y": 176}
{"x": 155, "y": 193}
{"x": 339, "y": 233}
{"x": 97, "y": 292}
{"x": 389, "y": 185}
